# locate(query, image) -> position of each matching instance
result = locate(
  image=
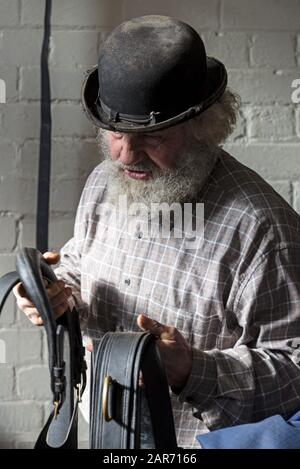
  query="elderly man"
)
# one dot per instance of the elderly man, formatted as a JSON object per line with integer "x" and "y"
{"x": 225, "y": 310}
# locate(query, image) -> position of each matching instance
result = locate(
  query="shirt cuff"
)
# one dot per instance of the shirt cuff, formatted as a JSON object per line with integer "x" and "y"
{"x": 202, "y": 383}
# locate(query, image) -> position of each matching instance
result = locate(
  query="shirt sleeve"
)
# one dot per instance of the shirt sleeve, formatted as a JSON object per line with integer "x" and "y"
{"x": 260, "y": 375}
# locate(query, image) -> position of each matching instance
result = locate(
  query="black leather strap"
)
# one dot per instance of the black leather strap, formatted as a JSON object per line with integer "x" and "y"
{"x": 120, "y": 356}
{"x": 66, "y": 353}
{"x": 7, "y": 283}
{"x": 158, "y": 396}
{"x": 115, "y": 414}
{"x": 45, "y": 140}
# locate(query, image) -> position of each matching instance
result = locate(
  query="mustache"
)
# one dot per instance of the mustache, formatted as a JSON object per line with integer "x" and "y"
{"x": 150, "y": 166}
{"x": 154, "y": 169}
{"x": 142, "y": 166}
{"x": 146, "y": 166}
{"x": 134, "y": 167}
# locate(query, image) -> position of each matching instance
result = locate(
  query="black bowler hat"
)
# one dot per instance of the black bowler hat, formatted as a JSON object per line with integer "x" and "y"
{"x": 152, "y": 73}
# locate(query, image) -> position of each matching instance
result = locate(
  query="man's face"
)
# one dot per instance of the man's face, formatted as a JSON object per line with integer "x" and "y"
{"x": 166, "y": 166}
{"x": 139, "y": 155}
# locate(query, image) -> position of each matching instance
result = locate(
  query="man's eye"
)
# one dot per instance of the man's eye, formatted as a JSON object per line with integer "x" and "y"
{"x": 117, "y": 134}
{"x": 153, "y": 139}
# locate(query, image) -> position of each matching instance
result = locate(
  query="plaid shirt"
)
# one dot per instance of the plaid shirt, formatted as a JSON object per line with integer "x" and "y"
{"x": 236, "y": 298}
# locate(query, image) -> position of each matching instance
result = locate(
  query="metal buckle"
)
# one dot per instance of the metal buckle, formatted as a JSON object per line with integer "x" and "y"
{"x": 78, "y": 392}
{"x": 107, "y": 382}
{"x": 55, "y": 409}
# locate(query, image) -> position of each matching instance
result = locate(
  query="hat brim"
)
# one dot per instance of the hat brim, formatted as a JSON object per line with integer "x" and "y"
{"x": 216, "y": 84}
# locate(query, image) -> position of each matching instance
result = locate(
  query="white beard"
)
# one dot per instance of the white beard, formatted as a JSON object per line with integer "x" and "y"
{"x": 178, "y": 185}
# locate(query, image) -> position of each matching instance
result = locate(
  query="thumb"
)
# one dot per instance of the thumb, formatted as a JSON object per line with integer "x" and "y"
{"x": 51, "y": 257}
{"x": 156, "y": 328}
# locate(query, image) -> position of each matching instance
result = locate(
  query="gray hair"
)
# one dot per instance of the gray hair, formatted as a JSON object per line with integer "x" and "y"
{"x": 215, "y": 124}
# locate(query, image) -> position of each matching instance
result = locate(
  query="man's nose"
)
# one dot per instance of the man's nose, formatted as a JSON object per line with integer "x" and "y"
{"x": 131, "y": 150}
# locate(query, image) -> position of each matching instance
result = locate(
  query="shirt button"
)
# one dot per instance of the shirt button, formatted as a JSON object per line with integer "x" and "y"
{"x": 139, "y": 235}
{"x": 127, "y": 281}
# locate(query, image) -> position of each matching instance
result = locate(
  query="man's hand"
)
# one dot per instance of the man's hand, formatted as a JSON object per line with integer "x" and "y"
{"x": 175, "y": 351}
{"x": 58, "y": 295}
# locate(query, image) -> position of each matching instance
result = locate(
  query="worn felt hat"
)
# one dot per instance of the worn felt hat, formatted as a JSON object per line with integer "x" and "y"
{"x": 153, "y": 73}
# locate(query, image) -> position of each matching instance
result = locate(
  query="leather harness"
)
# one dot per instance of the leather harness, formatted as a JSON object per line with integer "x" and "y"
{"x": 116, "y": 397}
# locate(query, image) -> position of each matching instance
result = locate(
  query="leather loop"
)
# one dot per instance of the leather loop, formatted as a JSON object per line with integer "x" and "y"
{"x": 116, "y": 419}
{"x": 66, "y": 358}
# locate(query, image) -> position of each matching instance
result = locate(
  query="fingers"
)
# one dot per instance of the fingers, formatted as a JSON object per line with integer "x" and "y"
{"x": 176, "y": 353}
{"x": 19, "y": 290}
{"x": 51, "y": 257}
{"x": 149, "y": 325}
{"x": 161, "y": 331}
{"x": 58, "y": 292}
{"x": 58, "y": 295}
{"x": 22, "y": 300}
{"x": 33, "y": 316}
{"x": 26, "y": 305}
{"x": 89, "y": 347}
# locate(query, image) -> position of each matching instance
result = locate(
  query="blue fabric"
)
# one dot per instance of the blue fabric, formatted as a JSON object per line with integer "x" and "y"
{"x": 271, "y": 433}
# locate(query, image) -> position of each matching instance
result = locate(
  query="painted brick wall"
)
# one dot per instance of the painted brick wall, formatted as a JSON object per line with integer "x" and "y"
{"x": 259, "y": 41}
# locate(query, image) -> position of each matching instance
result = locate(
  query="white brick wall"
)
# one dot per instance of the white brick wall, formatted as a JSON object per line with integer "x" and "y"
{"x": 259, "y": 41}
